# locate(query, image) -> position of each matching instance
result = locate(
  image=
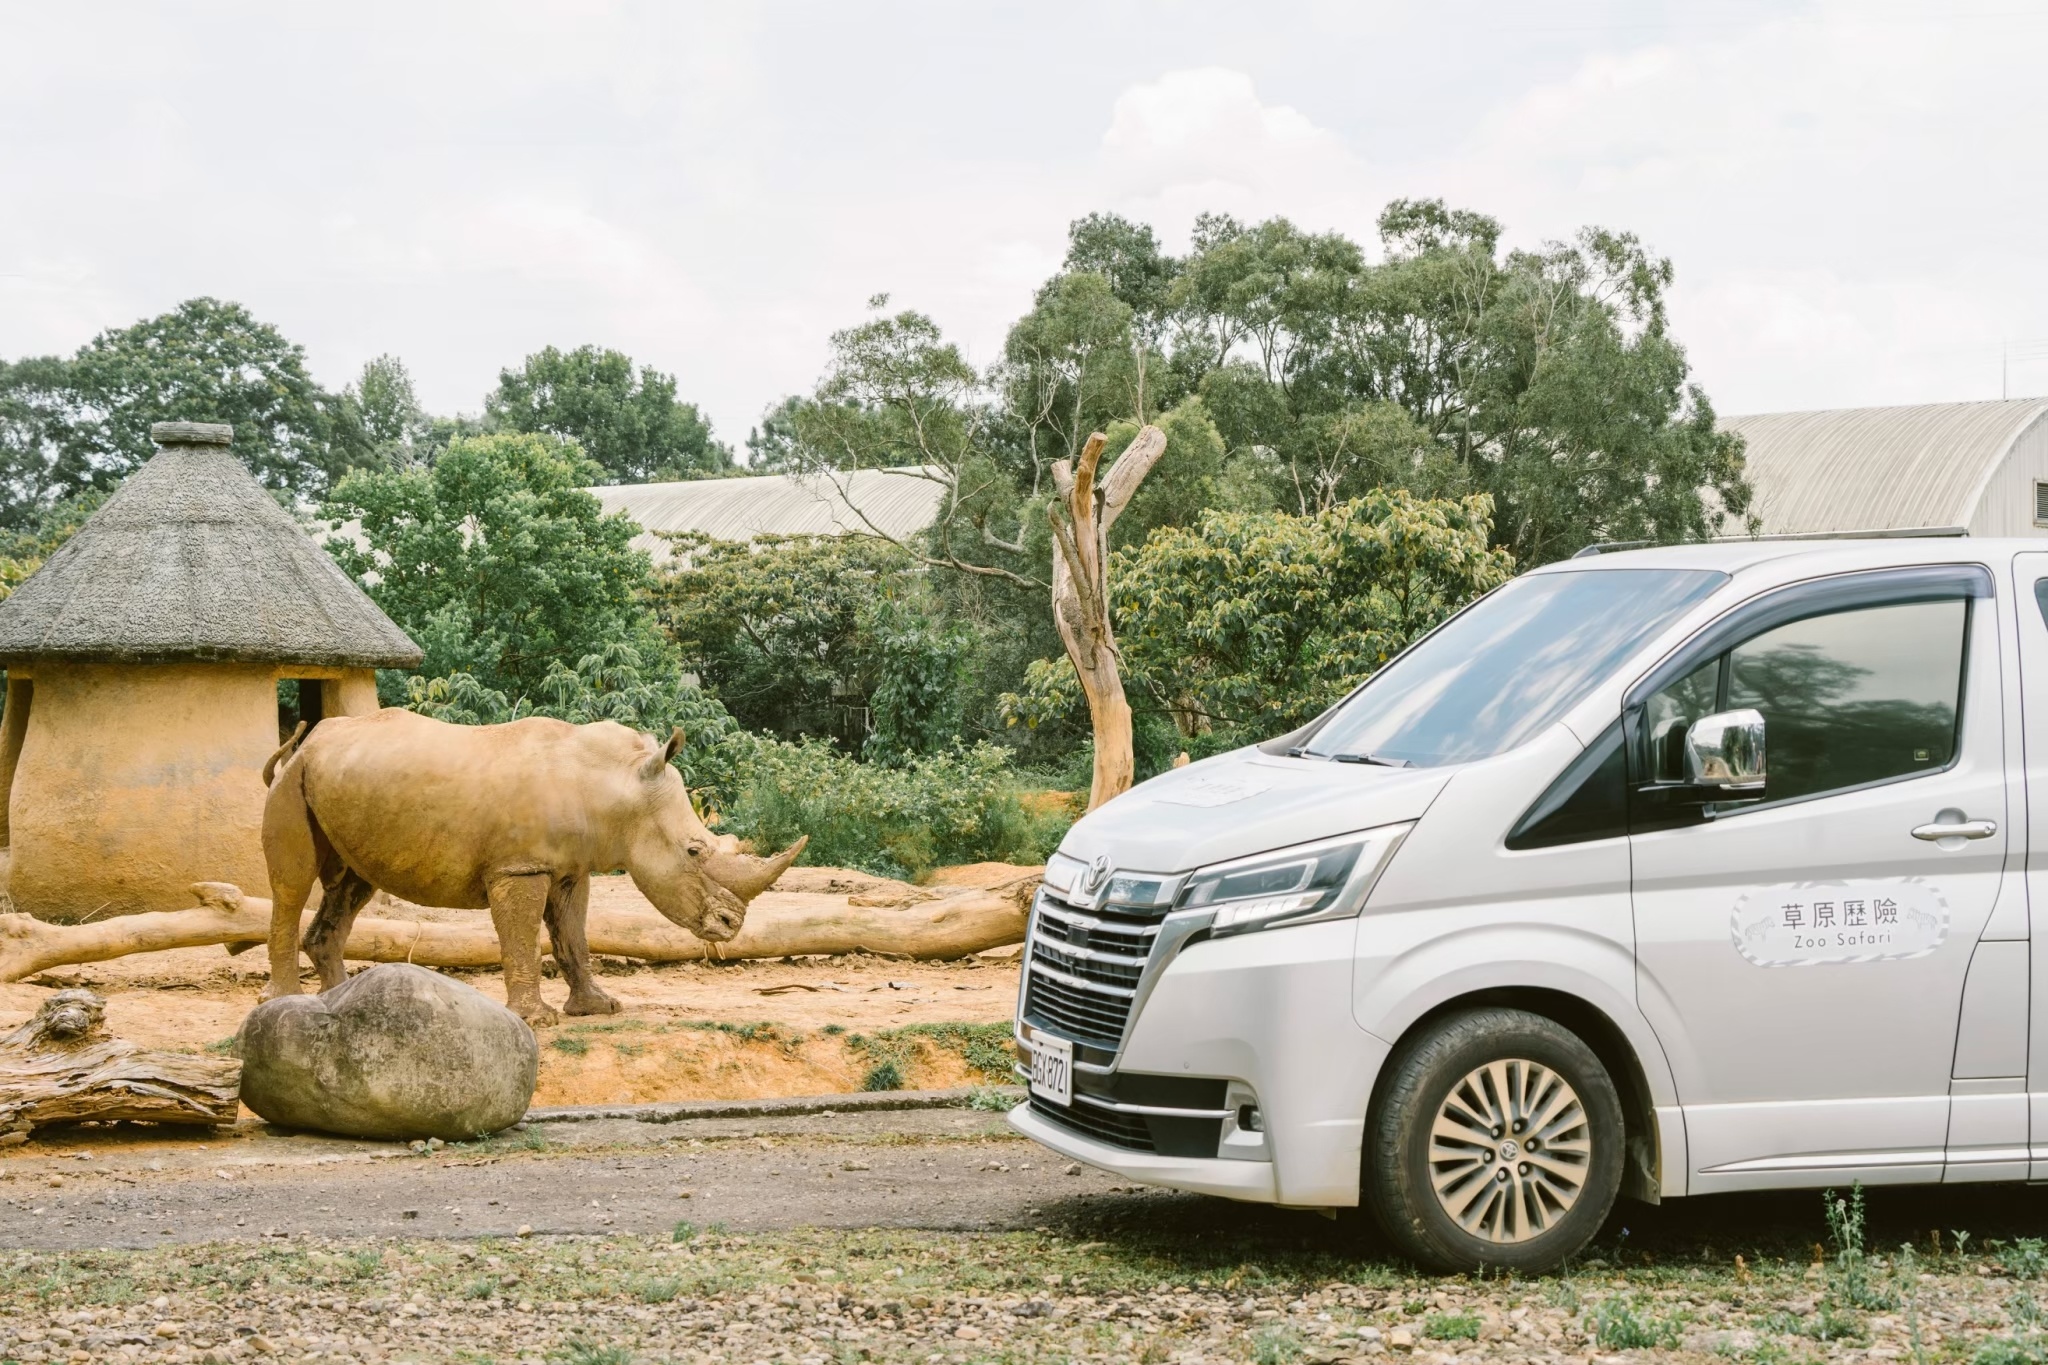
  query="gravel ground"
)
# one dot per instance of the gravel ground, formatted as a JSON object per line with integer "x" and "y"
{"x": 807, "y": 1257}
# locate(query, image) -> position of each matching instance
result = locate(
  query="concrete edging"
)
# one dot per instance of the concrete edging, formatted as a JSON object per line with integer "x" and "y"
{"x": 866, "y": 1101}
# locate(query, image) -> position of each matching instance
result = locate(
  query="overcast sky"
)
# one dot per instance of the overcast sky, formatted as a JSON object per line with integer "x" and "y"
{"x": 1852, "y": 192}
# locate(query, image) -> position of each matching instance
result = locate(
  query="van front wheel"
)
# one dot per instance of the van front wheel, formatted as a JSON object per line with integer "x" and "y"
{"x": 1496, "y": 1141}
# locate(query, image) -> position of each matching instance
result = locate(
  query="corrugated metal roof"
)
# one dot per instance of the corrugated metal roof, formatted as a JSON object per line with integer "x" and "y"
{"x": 894, "y": 502}
{"x": 1856, "y": 469}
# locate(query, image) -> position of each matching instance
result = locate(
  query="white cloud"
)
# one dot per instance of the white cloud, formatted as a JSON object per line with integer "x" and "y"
{"x": 1839, "y": 192}
{"x": 1848, "y": 190}
{"x": 1203, "y": 140}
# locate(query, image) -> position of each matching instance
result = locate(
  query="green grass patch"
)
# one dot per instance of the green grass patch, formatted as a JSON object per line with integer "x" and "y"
{"x": 1451, "y": 1327}
{"x": 1618, "y": 1325}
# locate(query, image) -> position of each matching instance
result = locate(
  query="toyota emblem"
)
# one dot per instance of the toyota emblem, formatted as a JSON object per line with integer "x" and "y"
{"x": 1098, "y": 873}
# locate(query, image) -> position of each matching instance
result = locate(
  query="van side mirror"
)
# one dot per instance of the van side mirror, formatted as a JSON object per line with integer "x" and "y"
{"x": 1725, "y": 751}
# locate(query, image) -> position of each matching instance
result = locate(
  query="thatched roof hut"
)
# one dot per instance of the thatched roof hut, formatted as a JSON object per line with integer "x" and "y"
{"x": 143, "y": 662}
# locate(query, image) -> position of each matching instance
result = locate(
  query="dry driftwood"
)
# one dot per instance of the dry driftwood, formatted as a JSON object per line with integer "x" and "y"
{"x": 784, "y": 925}
{"x": 61, "y": 1067}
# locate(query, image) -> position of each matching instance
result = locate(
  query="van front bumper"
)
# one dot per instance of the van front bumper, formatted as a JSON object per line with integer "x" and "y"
{"x": 1270, "y": 1014}
{"x": 1250, "y": 1180}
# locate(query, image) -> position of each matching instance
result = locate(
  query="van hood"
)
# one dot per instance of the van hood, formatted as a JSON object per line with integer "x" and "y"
{"x": 1246, "y": 802}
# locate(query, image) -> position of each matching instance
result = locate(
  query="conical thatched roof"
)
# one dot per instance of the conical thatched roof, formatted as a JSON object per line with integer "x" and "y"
{"x": 192, "y": 559}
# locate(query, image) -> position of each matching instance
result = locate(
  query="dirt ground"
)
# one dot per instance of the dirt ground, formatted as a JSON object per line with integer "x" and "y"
{"x": 692, "y": 1030}
{"x": 925, "y": 1237}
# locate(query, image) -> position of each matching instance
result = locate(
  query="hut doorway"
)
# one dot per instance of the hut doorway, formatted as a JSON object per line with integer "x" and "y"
{"x": 299, "y": 699}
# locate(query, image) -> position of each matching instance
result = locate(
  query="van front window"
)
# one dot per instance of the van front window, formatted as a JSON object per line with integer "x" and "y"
{"x": 1508, "y": 667}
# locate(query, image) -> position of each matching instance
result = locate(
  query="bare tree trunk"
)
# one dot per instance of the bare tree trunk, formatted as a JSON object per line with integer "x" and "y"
{"x": 784, "y": 925}
{"x": 61, "y": 1067}
{"x": 1080, "y": 594}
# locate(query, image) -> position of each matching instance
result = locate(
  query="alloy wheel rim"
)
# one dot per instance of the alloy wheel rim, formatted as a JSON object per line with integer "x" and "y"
{"x": 1509, "y": 1151}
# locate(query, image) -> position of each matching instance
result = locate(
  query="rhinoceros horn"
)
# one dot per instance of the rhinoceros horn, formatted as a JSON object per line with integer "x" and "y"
{"x": 747, "y": 876}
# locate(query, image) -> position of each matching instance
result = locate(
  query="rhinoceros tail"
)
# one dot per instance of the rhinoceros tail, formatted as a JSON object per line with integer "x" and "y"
{"x": 284, "y": 751}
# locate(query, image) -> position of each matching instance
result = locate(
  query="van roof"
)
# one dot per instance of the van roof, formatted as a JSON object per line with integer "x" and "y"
{"x": 1818, "y": 556}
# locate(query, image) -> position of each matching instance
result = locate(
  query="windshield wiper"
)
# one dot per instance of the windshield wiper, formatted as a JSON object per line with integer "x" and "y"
{"x": 1303, "y": 751}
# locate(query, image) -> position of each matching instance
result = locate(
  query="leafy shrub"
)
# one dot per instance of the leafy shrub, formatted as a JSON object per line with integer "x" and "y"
{"x": 1451, "y": 1327}
{"x": 590, "y": 1353}
{"x": 2025, "y": 1346}
{"x": 1618, "y": 1326}
{"x": 657, "y": 1289}
{"x": 960, "y": 806}
{"x": 2023, "y": 1258}
{"x": 1275, "y": 1346}
{"x": 883, "y": 1076}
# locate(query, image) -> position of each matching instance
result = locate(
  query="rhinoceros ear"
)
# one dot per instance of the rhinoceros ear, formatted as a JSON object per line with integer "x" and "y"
{"x": 668, "y": 751}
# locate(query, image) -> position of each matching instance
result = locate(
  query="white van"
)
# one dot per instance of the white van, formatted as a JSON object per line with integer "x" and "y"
{"x": 1528, "y": 920}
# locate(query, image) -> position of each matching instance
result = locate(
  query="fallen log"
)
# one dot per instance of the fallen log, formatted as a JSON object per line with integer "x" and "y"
{"x": 789, "y": 924}
{"x": 61, "y": 1067}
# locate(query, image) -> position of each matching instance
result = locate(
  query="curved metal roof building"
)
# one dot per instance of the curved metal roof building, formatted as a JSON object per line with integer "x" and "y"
{"x": 1979, "y": 466}
{"x": 893, "y": 502}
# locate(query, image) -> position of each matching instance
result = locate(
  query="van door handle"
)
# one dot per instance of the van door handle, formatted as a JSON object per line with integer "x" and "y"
{"x": 1964, "y": 829}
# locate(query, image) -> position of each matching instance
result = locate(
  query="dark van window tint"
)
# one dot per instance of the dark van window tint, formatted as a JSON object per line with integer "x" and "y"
{"x": 1855, "y": 696}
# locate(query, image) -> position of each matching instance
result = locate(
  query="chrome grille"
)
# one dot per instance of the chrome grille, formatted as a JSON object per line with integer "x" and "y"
{"x": 1084, "y": 968}
{"x": 1105, "y": 1125}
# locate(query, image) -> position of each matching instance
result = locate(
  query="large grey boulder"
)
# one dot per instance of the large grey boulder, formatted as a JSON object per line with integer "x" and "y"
{"x": 395, "y": 1052}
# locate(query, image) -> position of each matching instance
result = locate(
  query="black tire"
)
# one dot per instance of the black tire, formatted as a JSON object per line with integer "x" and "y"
{"x": 1522, "y": 1225}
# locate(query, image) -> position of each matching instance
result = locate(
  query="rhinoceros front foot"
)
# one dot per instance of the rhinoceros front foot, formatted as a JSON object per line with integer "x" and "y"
{"x": 535, "y": 1011}
{"x": 592, "y": 1001}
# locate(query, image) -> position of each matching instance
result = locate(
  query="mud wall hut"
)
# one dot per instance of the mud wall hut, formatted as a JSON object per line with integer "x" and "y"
{"x": 143, "y": 662}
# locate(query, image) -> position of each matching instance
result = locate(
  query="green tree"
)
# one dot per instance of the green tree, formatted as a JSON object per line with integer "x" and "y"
{"x": 1548, "y": 379}
{"x": 772, "y": 446}
{"x": 627, "y": 419}
{"x": 23, "y": 548}
{"x": 1127, "y": 256}
{"x": 1250, "y": 623}
{"x": 783, "y": 630}
{"x": 1073, "y": 364}
{"x": 378, "y": 419}
{"x": 897, "y": 395}
{"x": 40, "y": 461}
{"x": 498, "y": 562}
{"x": 204, "y": 361}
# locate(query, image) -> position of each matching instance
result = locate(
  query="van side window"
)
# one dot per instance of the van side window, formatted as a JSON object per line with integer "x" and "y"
{"x": 1855, "y": 697}
{"x": 2041, "y": 597}
{"x": 1848, "y": 698}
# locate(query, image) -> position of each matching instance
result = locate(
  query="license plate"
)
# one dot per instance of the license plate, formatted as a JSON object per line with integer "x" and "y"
{"x": 1052, "y": 1070}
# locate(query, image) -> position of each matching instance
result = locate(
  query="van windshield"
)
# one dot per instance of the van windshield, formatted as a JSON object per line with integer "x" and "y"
{"x": 1509, "y": 666}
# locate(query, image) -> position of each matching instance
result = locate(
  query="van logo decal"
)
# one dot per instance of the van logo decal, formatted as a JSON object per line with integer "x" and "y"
{"x": 1813, "y": 924}
{"x": 1097, "y": 873}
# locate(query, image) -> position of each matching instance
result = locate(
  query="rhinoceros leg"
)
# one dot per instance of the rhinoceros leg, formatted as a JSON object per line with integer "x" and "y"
{"x": 293, "y": 851}
{"x": 344, "y": 895}
{"x": 516, "y": 907}
{"x": 568, "y": 908}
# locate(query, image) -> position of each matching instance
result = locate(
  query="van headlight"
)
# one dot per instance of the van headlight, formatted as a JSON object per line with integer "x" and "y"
{"x": 1308, "y": 883}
